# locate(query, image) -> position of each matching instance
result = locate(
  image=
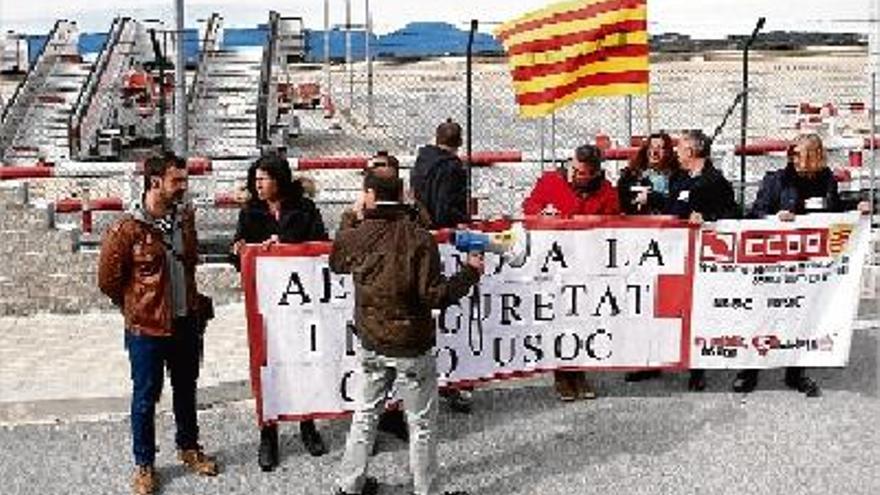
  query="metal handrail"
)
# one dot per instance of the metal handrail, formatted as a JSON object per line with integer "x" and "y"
{"x": 266, "y": 80}
{"x": 90, "y": 88}
{"x": 31, "y": 67}
{"x": 211, "y": 35}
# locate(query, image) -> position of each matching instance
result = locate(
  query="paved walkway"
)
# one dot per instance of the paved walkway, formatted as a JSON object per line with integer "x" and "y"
{"x": 61, "y": 366}
{"x": 65, "y": 367}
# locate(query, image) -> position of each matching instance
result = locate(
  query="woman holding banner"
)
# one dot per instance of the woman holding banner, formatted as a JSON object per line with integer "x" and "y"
{"x": 278, "y": 212}
{"x": 806, "y": 185}
{"x": 643, "y": 189}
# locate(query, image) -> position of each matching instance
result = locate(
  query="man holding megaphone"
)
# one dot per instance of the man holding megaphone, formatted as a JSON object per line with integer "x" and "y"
{"x": 395, "y": 265}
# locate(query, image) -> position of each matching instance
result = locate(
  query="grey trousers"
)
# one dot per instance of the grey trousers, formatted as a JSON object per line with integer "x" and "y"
{"x": 416, "y": 381}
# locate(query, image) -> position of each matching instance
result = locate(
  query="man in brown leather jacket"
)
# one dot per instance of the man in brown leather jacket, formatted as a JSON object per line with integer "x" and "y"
{"x": 147, "y": 268}
{"x": 395, "y": 265}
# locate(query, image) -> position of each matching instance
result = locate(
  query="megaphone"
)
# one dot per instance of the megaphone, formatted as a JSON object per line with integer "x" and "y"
{"x": 511, "y": 244}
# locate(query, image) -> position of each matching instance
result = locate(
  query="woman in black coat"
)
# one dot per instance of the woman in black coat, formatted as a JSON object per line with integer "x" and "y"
{"x": 278, "y": 212}
{"x": 645, "y": 183}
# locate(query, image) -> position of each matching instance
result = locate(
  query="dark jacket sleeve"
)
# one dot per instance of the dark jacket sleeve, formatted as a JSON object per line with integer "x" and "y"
{"x": 341, "y": 252}
{"x": 721, "y": 201}
{"x": 240, "y": 234}
{"x": 832, "y": 196}
{"x": 114, "y": 263}
{"x": 435, "y": 290}
{"x": 767, "y": 201}
{"x": 451, "y": 196}
{"x": 317, "y": 231}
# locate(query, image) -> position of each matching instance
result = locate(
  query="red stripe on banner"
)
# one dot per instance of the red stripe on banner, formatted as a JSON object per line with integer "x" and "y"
{"x": 670, "y": 296}
{"x": 557, "y": 93}
{"x": 689, "y": 289}
{"x": 574, "y": 63}
{"x": 584, "y": 222}
{"x": 314, "y": 416}
{"x": 558, "y": 42}
{"x": 572, "y": 15}
{"x": 256, "y": 335}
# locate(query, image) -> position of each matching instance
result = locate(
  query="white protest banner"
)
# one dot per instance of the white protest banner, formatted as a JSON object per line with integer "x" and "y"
{"x": 600, "y": 293}
{"x": 593, "y": 293}
{"x": 772, "y": 293}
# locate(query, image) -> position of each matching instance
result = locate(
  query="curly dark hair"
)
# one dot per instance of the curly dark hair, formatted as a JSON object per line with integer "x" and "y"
{"x": 639, "y": 163}
{"x": 278, "y": 169}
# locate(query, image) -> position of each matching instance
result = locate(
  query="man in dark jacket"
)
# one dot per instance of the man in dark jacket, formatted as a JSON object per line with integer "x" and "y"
{"x": 806, "y": 185}
{"x": 704, "y": 195}
{"x": 395, "y": 265}
{"x": 439, "y": 185}
{"x": 439, "y": 179}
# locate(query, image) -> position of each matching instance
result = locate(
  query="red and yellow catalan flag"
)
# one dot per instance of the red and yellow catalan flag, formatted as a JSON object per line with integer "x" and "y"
{"x": 577, "y": 49}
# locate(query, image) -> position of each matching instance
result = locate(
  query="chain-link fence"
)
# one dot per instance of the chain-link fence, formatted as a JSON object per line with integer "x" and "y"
{"x": 398, "y": 107}
{"x": 789, "y": 93}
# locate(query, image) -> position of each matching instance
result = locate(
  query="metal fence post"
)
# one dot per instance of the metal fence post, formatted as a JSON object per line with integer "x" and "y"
{"x": 470, "y": 113}
{"x": 369, "y": 59}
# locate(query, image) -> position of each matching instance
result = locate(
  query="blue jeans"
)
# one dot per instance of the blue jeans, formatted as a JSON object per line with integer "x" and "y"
{"x": 148, "y": 357}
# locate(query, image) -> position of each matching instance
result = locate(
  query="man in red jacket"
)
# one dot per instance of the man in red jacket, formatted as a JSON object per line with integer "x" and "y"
{"x": 586, "y": 192}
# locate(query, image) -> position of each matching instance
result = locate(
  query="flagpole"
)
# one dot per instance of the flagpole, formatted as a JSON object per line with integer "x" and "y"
{"x": 553, "y": 136}
{"x": 470, "y": 115}
{"x": 629, "y": 119}
{"x": 542, "y": 130}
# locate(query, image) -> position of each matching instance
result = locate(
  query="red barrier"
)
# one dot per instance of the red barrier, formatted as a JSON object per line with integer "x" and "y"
{"x": 620, "y": 154}
{"x": 484, "y": 158}
{"x": 15, "y": 172}
{"x": 198, "y": 165}
{"x": 73, "y": 205}
{"x": 226, "y": 200}
{"x": 332, "y": 163}
{"x": 759, "y": 148}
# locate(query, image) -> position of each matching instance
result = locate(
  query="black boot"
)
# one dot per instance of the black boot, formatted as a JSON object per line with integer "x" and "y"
{"x": 459, "y": 401}
{"x": 746, "y": 381}
{"x": 637, "y": 376}
{"x": 311, "y": 439}
{"x": 371, "y": 487}
{"x": 796, "y": 378}
{"x": 268, "y": 453}
{"x": 394, "y": 422}
{"x": 697, "y": 381}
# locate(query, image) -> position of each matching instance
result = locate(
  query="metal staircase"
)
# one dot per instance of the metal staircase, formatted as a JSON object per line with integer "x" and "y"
{"x": 34, "y": 123}
{"x": 223, "y": 99}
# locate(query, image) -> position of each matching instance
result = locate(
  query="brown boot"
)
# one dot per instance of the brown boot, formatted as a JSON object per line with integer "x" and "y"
{"x": 583, "y": 388}
{"x": 564, "y": 386}
{"x": 145, "y": 481}
{"x": 198, "y": 462}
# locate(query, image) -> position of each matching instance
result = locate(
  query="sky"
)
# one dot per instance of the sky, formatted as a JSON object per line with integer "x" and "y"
{"x": 702, "y": 18}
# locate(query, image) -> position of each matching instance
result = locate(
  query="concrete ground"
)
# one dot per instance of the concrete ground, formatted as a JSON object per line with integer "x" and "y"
{"x": 64, "y": 428}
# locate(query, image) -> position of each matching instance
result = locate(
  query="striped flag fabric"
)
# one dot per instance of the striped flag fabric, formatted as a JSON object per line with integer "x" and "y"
{"x": 577, "y": 49}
